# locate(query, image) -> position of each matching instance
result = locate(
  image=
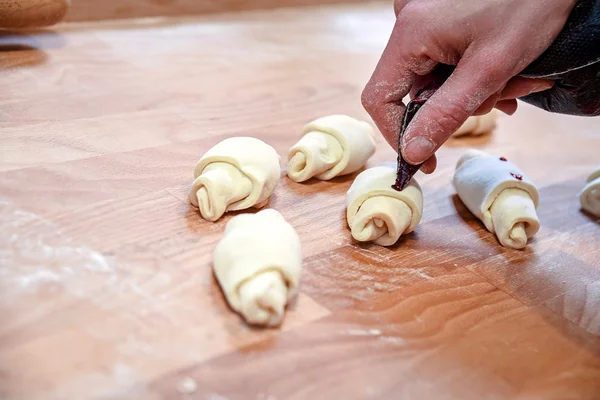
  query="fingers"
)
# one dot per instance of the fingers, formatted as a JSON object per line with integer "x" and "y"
{"x": 508, "y": 107}
{"x": 392, "y": 139}
{"x": 429, "y": 166}
{"x": 519, "y": 87}
{"x": 473, "y": 81}
{"x": 487, "y": 105}
{"x": 389, "y": 84}
{"x": 515, "y": 88}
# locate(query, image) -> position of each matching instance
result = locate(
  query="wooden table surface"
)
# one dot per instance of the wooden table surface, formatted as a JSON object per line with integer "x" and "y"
{"x": 106, "y": 288}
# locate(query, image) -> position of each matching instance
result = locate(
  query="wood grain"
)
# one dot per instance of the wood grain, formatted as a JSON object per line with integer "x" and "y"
{"x": 92, "y": 10}
{"x": 106, "y": 288}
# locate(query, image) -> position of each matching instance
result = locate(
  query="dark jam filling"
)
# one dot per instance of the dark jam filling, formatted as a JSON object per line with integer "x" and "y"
{"x": 404, "y": 174}
{"x": 516, "y": 176}
{"x": 503, "y": 159}
{"x": 406, "y": 171}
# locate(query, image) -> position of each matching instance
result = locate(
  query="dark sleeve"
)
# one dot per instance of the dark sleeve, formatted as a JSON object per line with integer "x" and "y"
{"x": 573, "y": 62}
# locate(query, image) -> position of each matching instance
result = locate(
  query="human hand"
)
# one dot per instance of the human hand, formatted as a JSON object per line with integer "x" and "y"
{"x": 489, "y": 42}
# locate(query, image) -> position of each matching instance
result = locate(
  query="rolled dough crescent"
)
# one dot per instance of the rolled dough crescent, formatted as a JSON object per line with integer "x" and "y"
{"x": 376, "y": 212}
{"x": 236, "y": 174}
{"x": 331, "y": 146}
{"x": 500, "y": 195}
{"x": 590, "y": 195}
{"x": 258, "y": 264}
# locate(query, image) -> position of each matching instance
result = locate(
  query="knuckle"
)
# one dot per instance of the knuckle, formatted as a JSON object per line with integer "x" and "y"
{"x": 494, "y": 72}
{"x": 368, "y": 99}
{"x": 418, "y": 34}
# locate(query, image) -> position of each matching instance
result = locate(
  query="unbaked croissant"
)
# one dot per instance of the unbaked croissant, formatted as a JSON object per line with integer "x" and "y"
{"x": 331, "y": 146}
{"x": 258, "y": 264}
{"x": 236, "y": 174}
{"x": 500, "y": 195}
{"x": 377, "y": 212}
{"x": 590, "y": 195}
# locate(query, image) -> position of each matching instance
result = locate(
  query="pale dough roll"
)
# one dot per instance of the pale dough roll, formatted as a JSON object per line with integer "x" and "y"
{"x": 258, "y": 265}
{"x": 376, "y": 212}
{"x": 514, "y": 218}
{"x": 484, "y": 182}
{"x": 331, "y": 146}
{"x": 314, "y": 154}
{"x": 478, "y": 125}
{"x": 590, "y": 195}
{"x": 236, "y": 174}
{"x": 468, "y": 155}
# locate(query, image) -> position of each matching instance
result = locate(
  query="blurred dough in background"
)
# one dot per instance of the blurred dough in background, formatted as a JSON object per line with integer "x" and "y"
{"x": 478, "y": 125}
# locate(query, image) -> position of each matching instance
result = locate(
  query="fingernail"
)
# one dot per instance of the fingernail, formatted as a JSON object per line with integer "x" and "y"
{"x": 418, "y": 149}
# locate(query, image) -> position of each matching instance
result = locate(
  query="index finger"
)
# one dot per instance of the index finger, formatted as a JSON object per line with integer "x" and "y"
{"x": 389, "y": 84}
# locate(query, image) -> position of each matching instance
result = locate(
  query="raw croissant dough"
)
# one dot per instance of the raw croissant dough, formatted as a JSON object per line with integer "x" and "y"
{"x": 235, "y": 174}
{"x": 331, "y": 146}
{"x": 498, "y": 193}
{"x": 478, "y": 125}
{"x": 376, "y": 212}
{"x": 258, "y": 263}
{"x": 590, "y": 195}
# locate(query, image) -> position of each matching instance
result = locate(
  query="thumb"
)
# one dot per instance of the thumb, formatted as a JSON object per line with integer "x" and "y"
{"x": 471, "y": 83}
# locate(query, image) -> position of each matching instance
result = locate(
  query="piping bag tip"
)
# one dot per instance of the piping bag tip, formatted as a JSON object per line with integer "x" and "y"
{"x": 406, "y": 171}
{"x": 404, "y": 174}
